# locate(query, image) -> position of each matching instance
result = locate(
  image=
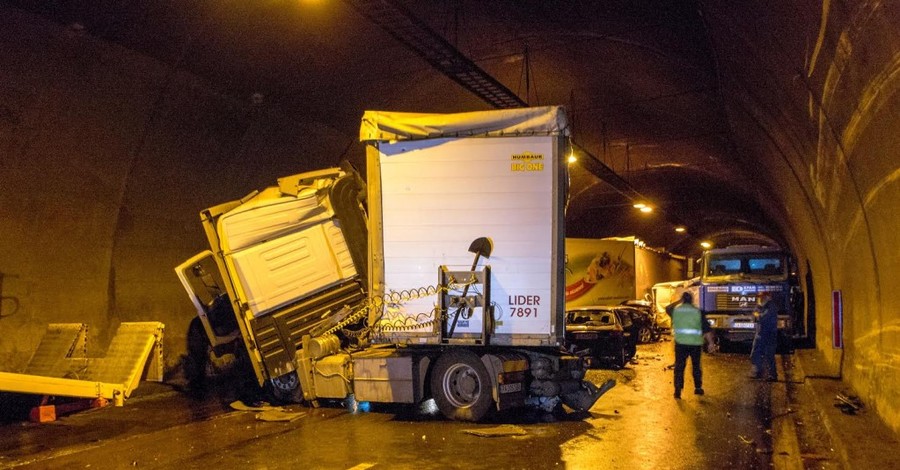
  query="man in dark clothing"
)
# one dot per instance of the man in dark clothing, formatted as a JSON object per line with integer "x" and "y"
{"x": 690, "y": 327}
{"x": 762, "y": 356}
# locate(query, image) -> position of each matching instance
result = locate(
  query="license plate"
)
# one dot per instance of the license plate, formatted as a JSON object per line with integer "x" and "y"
{"x": 742, "y": 324}
{"x": 587, "y": 336}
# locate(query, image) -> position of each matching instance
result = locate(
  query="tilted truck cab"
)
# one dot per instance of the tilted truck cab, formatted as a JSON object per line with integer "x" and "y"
{"x": 440, "y": 277}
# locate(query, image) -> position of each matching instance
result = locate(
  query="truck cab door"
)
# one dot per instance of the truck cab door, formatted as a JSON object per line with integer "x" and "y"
{"x": 201, "y": 279}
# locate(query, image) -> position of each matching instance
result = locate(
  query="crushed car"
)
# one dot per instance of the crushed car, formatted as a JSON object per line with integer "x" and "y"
{"x": 599, "y": 334}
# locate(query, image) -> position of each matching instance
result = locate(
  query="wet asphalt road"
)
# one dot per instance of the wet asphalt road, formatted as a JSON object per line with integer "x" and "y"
{"x": 636, "y": 425}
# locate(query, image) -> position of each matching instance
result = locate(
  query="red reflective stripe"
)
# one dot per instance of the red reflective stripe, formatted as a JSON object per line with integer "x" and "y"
{"x": 837, "y": 319}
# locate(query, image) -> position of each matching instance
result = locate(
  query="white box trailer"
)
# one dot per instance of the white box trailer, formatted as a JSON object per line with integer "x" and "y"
{"x": 439, "y": 182}
{"x": 442, "y": 279}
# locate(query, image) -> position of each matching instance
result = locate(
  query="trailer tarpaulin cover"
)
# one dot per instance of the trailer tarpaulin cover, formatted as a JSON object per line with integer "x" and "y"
{"x": 392, "y": 126}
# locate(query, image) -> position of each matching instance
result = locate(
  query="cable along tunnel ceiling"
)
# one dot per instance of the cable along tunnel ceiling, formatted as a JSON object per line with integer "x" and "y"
{"x": 638, "y": 79}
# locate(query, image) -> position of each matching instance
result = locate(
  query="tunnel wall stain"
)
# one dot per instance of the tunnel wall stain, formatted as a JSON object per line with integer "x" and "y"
{"x": 811, "y": 92}
{"x": 107, "y": 159}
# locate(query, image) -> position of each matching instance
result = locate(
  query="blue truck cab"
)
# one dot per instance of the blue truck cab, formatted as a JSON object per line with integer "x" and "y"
{"x": 731, "y": 279}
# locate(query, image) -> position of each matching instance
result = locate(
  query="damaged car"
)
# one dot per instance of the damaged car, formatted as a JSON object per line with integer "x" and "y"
{"x": 598, "y": 334}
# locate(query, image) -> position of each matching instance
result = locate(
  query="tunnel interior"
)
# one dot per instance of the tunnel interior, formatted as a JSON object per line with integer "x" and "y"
{"x": 746, "y": 123}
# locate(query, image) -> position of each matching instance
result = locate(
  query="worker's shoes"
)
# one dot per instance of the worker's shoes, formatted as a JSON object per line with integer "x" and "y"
{"x": 698, "y": 391}
{"x": 773, "y": 378}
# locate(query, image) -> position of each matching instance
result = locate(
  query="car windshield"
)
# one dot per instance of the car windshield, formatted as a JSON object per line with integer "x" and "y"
{"x": 596, "y": 317}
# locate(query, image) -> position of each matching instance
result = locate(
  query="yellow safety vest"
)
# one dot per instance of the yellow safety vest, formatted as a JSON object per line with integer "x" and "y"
{"x": 687, "y": 325}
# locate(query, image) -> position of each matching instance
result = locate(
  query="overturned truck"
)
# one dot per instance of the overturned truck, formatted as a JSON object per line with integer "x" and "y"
{"x": 440, "y": 277}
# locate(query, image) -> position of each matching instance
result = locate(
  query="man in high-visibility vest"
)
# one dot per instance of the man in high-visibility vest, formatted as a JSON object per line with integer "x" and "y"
{"x": 689, "y": 327}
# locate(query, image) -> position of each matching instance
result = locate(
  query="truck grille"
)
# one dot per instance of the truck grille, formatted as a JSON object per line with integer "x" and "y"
{"x": 735, "y": 302}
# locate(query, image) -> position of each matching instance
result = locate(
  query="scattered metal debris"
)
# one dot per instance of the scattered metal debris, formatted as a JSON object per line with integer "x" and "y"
{"x": 848, "y": 404}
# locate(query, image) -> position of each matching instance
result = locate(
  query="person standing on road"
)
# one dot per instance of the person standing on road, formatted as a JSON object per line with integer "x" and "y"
{"x": 690, "y": 327}
{"x": 762, "y": 356}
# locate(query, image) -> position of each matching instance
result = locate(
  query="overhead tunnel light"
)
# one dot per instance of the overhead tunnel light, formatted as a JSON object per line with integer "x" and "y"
{"x": 643, "y": 207}
{"x": 680, "y": 229}
{"x": 706, "y": 245}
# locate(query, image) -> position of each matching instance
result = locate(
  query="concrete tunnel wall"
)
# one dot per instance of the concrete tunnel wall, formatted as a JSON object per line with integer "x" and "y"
{"x": 107, "y": 156}
{"x": 811, "y": 94}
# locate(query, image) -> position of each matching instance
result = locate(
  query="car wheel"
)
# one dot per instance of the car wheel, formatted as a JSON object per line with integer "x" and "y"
{"x": 461, "y": 386}
{"x": 645, "y": 335}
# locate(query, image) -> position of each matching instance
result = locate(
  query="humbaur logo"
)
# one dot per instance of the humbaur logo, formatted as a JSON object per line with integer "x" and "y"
{"x": 527, "y": 161}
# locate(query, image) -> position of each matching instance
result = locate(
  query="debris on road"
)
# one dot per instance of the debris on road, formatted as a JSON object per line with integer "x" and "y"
{"x": 848, "y": 404}
{"x": 267, "y": 412}
{"x": 279, "y": 414}
{"x": 498, "y": 431}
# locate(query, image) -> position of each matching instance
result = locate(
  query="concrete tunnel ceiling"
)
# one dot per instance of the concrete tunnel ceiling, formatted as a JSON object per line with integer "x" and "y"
{"x": 747, "y": 122}
{"x": 638, "y": 79}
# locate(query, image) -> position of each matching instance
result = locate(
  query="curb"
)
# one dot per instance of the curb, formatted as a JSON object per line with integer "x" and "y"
{"x": 784, "y": 432}
{"x": 815, "y": 400}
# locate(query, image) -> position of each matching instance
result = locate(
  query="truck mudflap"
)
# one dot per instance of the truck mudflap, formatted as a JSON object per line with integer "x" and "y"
{"x": 508, "y": 373}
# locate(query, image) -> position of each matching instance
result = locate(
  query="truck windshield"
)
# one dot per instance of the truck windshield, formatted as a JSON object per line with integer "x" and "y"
{"x": 762, "y": 264}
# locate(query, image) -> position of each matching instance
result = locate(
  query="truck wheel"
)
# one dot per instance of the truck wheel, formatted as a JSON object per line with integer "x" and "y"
{"x": 286, "y": 389}
{"x": 785, "y": 344}
{"x": 197, "y": 360}
{"x": 461, "y": 386}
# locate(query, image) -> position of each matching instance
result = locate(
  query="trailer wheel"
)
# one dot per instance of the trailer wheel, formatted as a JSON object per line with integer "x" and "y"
{"x": 461, "y": 386}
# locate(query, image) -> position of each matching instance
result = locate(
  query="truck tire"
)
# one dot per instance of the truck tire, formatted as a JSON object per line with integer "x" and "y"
{"x": 197, "y": 361}
{"x": 785, "y": 344}
{"x": 285, "y": 389}
{"x": 461, "y": 386}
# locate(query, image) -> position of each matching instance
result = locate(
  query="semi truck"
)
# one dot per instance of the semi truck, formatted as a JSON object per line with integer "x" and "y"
{"x": 727, "y": 287}
{"x": 438, "y": 276}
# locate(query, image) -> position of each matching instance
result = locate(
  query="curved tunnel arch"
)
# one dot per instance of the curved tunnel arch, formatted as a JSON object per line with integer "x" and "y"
{"x": 794, "y": 140}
